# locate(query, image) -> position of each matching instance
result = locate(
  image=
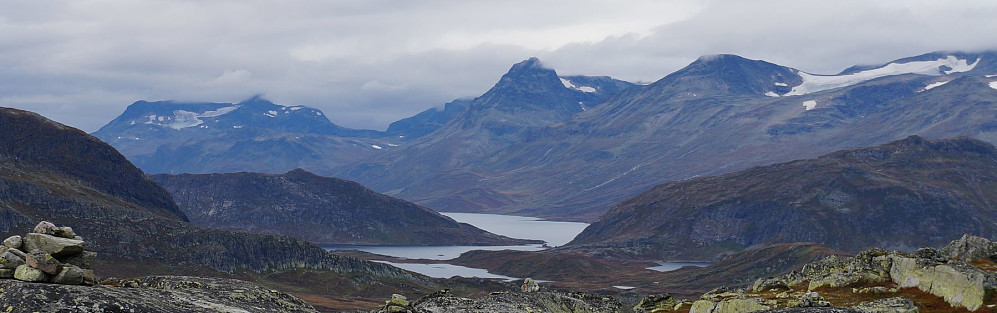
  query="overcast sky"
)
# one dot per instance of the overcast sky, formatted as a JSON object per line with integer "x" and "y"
{"x": 368, "y": 63}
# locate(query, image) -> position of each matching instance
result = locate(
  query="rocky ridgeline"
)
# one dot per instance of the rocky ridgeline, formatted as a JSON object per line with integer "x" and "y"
{"x": 48, "y": 254}
{"x": 944, "y": 273}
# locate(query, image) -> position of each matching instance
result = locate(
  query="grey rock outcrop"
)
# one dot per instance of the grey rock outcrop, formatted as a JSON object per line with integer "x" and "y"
{"x": 156, "y": 294}
{"x": 53, "y": 254}
{"x": 971, "y": 248}
{"x": 888, "y": 305}
{"x": 939, "y": 272}
{"x": 501, "y": 302}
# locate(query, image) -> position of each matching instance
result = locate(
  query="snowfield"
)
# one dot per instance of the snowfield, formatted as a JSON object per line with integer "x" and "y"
{"x": 814, "y": 83}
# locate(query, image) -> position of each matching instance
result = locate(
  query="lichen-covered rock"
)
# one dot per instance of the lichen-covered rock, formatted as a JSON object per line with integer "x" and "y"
{"x": 500, "y": 302}
{"x": 44, "y": 262}
{"x": 56, "y": 246}
{"x": 958, "y": 283}
{"x": 656, "y": 303}
{"x": 10, "y": 260}
{"x": 888, "y": 305}
{"x": 48, "y": 228}
{"x": 28, "y": 274}
{"x": 13, "y": 242}
{"x": 812, "y": 299}
{"x": 156, "y": 294}
{"x": 83, "y": 259}
{"x": 6, "y": 273}
{"x": 971, "y": 248}
{"x": 70, "y": 275}
{"x": 530, "y": 285}
{"x": 770, "y": 284}
{"x": 740, "y": 305}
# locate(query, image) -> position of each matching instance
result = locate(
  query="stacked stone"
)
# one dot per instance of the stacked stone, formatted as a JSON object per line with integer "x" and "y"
{"x": 48, "y": 254}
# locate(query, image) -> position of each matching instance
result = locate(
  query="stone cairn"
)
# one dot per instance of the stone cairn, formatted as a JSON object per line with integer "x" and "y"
{"x": 48, "y": 254}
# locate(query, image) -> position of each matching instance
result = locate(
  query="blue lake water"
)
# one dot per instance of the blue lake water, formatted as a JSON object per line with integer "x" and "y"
{"x": 671, "y": 266}
{"x": 553, "y": 232}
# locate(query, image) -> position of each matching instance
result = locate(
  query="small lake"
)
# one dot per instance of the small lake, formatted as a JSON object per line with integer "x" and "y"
{"x": 553, "y": 232}
{"x": 671, "y": 266}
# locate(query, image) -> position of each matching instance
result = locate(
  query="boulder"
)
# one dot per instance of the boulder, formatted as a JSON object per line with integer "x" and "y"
{"x": 734, "y": 305}
{"x": 18, "y": 252}
{"x": 888, "y": 305}
{"x": 70, "y": 275}
{"x": 6, "y": 273}
{"x": 28, "y": 274}
{"x": 770, "y": 283}
{"x": 530, "y": 285}
{"x": 83, "y": 259}
{"x": 812, "y": 299}
{"x": 10, "y": 260}
{"x": 13, "y": 242}
{"x": 44, "y": 262}
{"x": 656, "y": 303}
{"x": 971, "y": 248}
{"x": 48, "y": 228}
{"x": 56, "y": 246}
{"x": 960, "y": 284}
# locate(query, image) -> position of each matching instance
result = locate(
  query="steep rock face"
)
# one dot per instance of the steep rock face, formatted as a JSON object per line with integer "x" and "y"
{"x": 52, "y": 172}
{"x": 908, "y": 193}
{"x": 315, "y": 208}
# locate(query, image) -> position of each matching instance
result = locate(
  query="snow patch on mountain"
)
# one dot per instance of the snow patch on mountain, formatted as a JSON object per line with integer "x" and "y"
{"x": 935, "y": 84}
{"x": 772, "y": 94}
{"x": 569, "y": 85}
{"x": 814, "y": 83}
{"x": 781, "y": 84}
{"x": 809, "y": 105}
{"x": 993, "y": 84}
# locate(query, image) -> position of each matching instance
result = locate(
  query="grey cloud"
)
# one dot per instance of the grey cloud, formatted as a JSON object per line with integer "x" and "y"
{"x": 82, "y": 63}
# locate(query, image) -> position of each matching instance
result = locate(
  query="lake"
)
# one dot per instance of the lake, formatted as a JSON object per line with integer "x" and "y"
{"x": 553, "y": 232}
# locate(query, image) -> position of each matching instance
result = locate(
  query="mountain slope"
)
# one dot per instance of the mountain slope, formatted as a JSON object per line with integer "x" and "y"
{"x": 909, "y": 193}
{"x": 52, "y": 172}
{"x": 719, "y": 114}
{"x": 315, "y": 208}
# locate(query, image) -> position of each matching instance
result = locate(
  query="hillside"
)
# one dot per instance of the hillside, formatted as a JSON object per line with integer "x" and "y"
{"x": 906, "y": 194}
{"x": 317, "y": 209}
{"x": 56, "y": 173}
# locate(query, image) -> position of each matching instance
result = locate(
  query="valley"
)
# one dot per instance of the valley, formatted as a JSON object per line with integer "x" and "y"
{"x": 730, "y": 183}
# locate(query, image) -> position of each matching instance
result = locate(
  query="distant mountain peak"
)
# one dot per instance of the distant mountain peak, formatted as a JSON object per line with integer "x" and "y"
{"x": 733, "y": 74}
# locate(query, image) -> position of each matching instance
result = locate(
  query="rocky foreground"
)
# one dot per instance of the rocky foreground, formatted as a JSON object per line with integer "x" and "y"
{"x": 148, "y": 294}
{"x": 961, "y": 277}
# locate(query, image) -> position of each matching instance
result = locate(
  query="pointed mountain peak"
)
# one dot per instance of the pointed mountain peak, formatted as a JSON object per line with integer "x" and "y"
{"x": 532, "y": 62}
{"x": 529, "y": 76}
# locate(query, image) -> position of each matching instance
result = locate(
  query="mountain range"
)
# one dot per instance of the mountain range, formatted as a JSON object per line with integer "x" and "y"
{"x": 570, "y": 147}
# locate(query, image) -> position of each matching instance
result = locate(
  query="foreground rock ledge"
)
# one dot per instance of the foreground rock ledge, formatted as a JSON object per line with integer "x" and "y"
{"x": 148, "y": 294}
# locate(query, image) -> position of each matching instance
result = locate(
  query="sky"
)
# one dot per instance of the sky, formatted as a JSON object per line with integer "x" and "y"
{"x": 369, "y": 63}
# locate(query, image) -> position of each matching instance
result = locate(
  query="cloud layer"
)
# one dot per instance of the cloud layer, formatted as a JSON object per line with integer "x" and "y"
{"x": 368, "y": 63}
